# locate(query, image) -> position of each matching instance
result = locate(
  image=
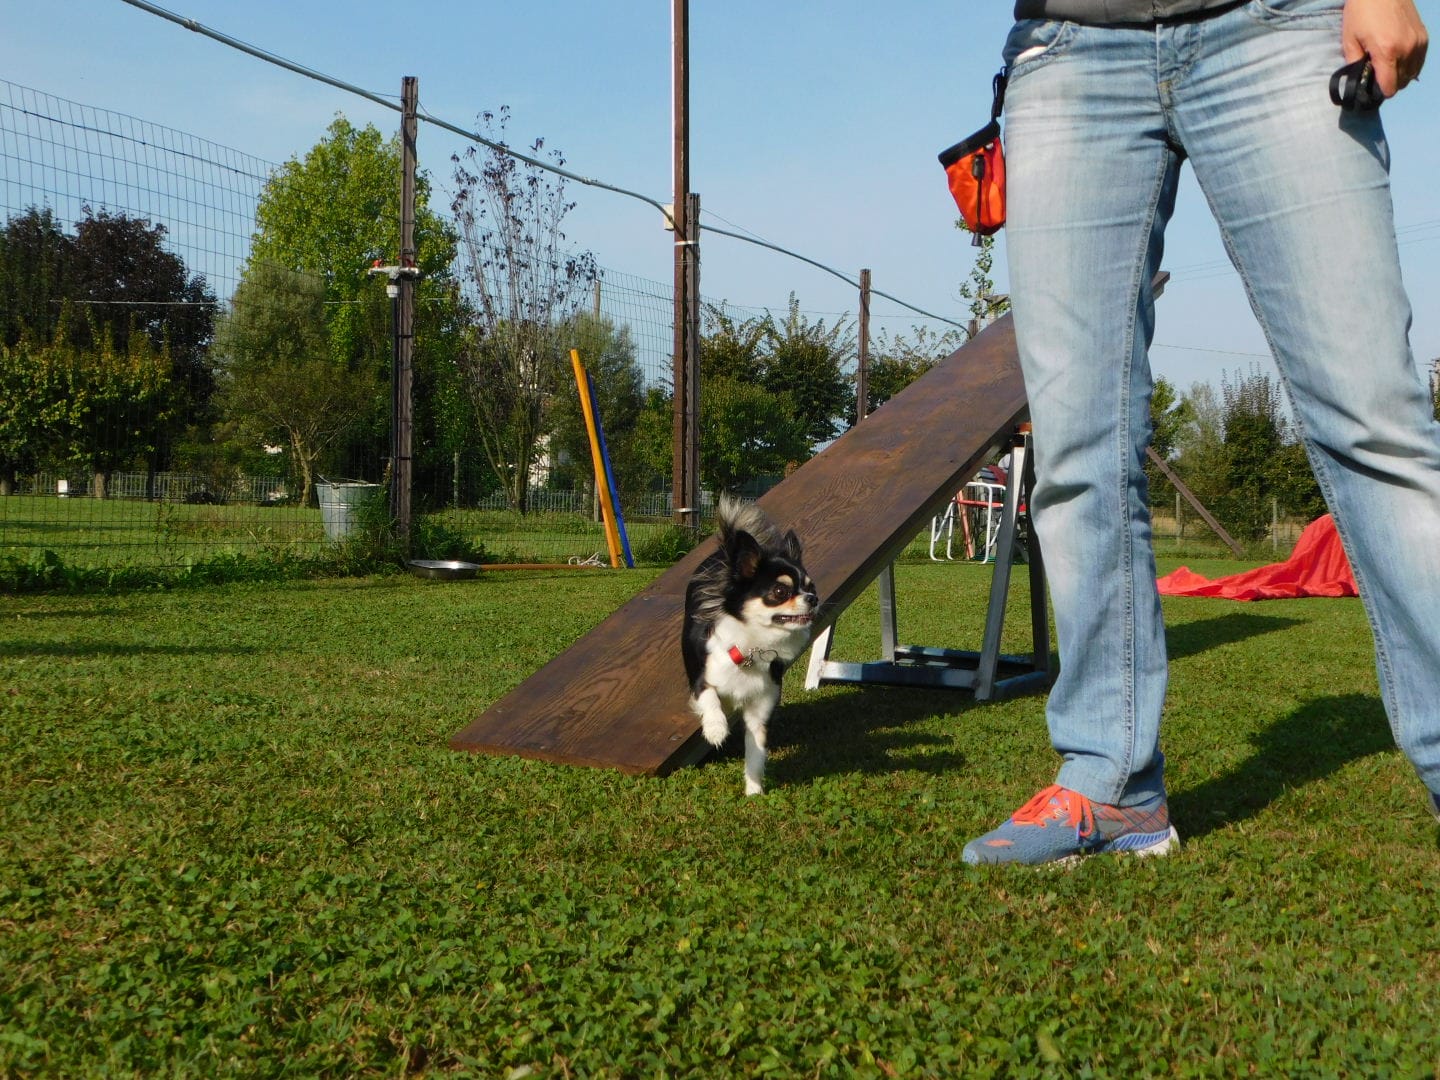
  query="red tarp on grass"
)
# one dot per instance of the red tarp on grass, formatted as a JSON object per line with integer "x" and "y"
{"x": 1317, "y": 567}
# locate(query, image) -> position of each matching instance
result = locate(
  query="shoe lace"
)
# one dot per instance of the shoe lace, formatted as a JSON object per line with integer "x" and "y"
{"x": 1056, "y": 803}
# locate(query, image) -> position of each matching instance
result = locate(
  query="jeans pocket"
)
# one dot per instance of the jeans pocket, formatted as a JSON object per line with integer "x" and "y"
{"x": 1297, "y": 14}
{"x": 1033, "y": 42}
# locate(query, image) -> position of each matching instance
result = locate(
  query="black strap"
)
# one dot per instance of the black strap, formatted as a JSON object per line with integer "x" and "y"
{"x": 1353, "y": 87}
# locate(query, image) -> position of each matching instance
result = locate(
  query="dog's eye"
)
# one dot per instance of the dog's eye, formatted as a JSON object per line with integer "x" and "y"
{"x": 778, "y": 594}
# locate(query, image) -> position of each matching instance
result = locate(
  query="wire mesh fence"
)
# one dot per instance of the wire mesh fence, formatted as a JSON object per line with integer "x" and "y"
{"x": 179, "y": 380}
{"x": 172, "y": 391}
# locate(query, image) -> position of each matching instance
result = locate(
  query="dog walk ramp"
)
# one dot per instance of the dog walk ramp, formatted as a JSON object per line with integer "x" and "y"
{"x": 617, "y": 698}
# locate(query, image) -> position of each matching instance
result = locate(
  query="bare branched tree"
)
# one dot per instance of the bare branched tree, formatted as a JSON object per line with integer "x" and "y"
{"x": 521, "y": 287}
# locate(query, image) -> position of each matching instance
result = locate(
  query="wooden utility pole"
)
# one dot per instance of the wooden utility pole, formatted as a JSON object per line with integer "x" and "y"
{"x": 686, "y": 359}
{"x": 862, "y": 373}
{"x": 403, "y": 360}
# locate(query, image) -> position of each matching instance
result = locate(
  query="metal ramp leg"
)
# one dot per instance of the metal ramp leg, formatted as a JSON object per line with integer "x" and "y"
{"x": 987, "y": 674}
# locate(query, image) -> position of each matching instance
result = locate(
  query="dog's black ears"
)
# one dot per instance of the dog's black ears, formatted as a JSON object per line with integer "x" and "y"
{"x": 744, "y": 552}
{"x": 791, "y": 546}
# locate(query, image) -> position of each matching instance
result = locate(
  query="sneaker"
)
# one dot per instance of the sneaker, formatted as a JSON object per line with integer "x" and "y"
{"x": 1059, "y": 825}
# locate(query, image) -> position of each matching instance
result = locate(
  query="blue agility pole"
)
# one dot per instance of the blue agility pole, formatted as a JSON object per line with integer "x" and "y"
{"x": 610, "y": 477}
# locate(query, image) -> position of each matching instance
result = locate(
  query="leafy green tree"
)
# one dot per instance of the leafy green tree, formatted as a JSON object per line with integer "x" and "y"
{"x": 278, "y": 378}
{"x": 521, "y": 287}
{"x": 119, "y": 279}
{"x": 802, "y": 361}
{"x": 131, "y": 284}
{"x": 98, "y": 408}
{"x": 731, "y": 348}
{"x": 36, "y": 258}
{"x": 1238, "y": 451}
{"x": 331, "y": 215}
{"x": 30, "y": 389}
{"x": 807, "y": 361}
{"x": 897, "y": 360}
{"x": 1292, "y": 482}
{"x": 608, "y": 354}
{"x": 653, "y": 439}
{"x": 986, "y": 305}
{"x": 1255, "y": 429}
{"x": 747, "y": 432}
{"x": 1169, "y": 415}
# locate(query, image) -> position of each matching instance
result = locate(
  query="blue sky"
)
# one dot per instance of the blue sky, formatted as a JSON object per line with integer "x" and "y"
{"x": 814, "y": 126}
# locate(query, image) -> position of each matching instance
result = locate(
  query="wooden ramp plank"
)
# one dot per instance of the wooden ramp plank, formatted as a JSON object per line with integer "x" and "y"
{"x": 855, "y": 506}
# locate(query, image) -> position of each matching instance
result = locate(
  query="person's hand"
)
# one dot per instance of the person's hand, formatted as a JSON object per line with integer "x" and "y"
{"x": 1393, "y": 35}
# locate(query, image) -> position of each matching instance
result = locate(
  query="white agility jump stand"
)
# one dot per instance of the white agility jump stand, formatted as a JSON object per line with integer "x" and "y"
{"x": 987, "y": 673}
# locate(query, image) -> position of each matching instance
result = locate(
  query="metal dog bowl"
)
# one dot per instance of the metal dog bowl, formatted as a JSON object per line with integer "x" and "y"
{"x": 443, "y": 569}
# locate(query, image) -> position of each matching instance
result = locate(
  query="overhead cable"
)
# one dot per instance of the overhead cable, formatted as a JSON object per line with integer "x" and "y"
{"x": 588, "y": 181}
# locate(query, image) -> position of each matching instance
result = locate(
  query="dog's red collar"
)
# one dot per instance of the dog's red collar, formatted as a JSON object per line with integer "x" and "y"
{"x": 741, "y": 660}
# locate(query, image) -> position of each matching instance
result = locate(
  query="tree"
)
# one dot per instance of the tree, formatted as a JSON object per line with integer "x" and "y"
{"x": 897, "y": 361}
{"x": 522, "y": 287}
{"x": 120, "y": 280}
{"x": 278, "y": 377}
{"x": 654, "y": 436}
{"x": 132, "y": 284}
{"x": 731, "y": 348}
{"x": 747, "y": 432}
{"x": 608, "y": 354}
{"x": 1169, "y": 414}
{"x": 802, "y": 361}
{"x": 36, "y": 259}
{"x": 29, "y": 391}
{"x": 1239, "y": 451}
{"x": 327, "y": 218}
{"x": 985, "y": 304}
{"x": 97, "y": 407}
{"x": 806, "y": 361}
{"x": 1255, "y": 429}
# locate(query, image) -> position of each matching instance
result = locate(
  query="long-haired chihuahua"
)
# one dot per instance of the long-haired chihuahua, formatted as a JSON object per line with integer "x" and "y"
{"x": 748, "y": 612}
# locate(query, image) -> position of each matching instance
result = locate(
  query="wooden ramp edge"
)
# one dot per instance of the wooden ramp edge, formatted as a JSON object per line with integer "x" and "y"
{"x": 617, "y": 697}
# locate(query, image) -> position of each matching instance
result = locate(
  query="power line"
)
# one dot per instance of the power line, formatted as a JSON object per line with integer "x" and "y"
{"x": 1218, "y": 352}
{"x": 385, "y": 102}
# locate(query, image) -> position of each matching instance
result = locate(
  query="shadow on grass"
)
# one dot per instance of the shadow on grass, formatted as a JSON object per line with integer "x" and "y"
{"x": 863, "y": 731}
{"x": 1311, "y": 743}
{"x": 1188, "y": 639}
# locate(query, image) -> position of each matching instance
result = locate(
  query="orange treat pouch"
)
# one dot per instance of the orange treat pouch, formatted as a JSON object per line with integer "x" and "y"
{"x": 975, "y": 169}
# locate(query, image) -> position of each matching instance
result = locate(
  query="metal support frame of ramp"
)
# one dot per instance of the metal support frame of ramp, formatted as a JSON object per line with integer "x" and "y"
{"x": 987, "y": 673}
{"x": 617, "y": 698}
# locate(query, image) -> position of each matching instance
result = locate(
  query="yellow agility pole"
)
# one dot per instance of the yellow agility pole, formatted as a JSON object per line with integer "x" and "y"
{"x": 587, "y": 408}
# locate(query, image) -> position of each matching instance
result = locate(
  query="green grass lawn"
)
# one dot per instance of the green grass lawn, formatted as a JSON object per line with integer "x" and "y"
{"x": 233, "y": 842}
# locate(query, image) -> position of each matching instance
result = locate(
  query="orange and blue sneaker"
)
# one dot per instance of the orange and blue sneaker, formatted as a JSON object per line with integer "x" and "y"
{"x": 1060, "y": 825}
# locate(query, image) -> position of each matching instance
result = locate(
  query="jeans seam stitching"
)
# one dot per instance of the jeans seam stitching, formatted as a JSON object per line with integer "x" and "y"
{"x": 1127, "y": 459}
{"x": 1322, "y": 469}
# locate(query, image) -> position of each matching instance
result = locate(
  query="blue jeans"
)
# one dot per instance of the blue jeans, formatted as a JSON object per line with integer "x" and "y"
{"x": 1098, "y": 122}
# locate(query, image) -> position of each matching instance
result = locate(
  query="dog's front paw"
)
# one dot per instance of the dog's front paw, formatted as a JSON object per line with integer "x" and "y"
{"x": 715, "y": 729}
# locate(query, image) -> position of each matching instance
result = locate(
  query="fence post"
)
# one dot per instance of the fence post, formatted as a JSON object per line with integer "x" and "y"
{"x": 862, "y": 374}
{"x": 402, "y": 426}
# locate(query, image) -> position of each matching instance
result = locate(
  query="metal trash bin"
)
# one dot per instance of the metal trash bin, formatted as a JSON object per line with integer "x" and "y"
{"x": 339, "y": 499}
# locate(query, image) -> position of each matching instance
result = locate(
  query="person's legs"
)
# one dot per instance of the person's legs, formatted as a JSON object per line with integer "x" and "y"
{"x": 1091, "y": 177}
{"x": 1301, "y": 192}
